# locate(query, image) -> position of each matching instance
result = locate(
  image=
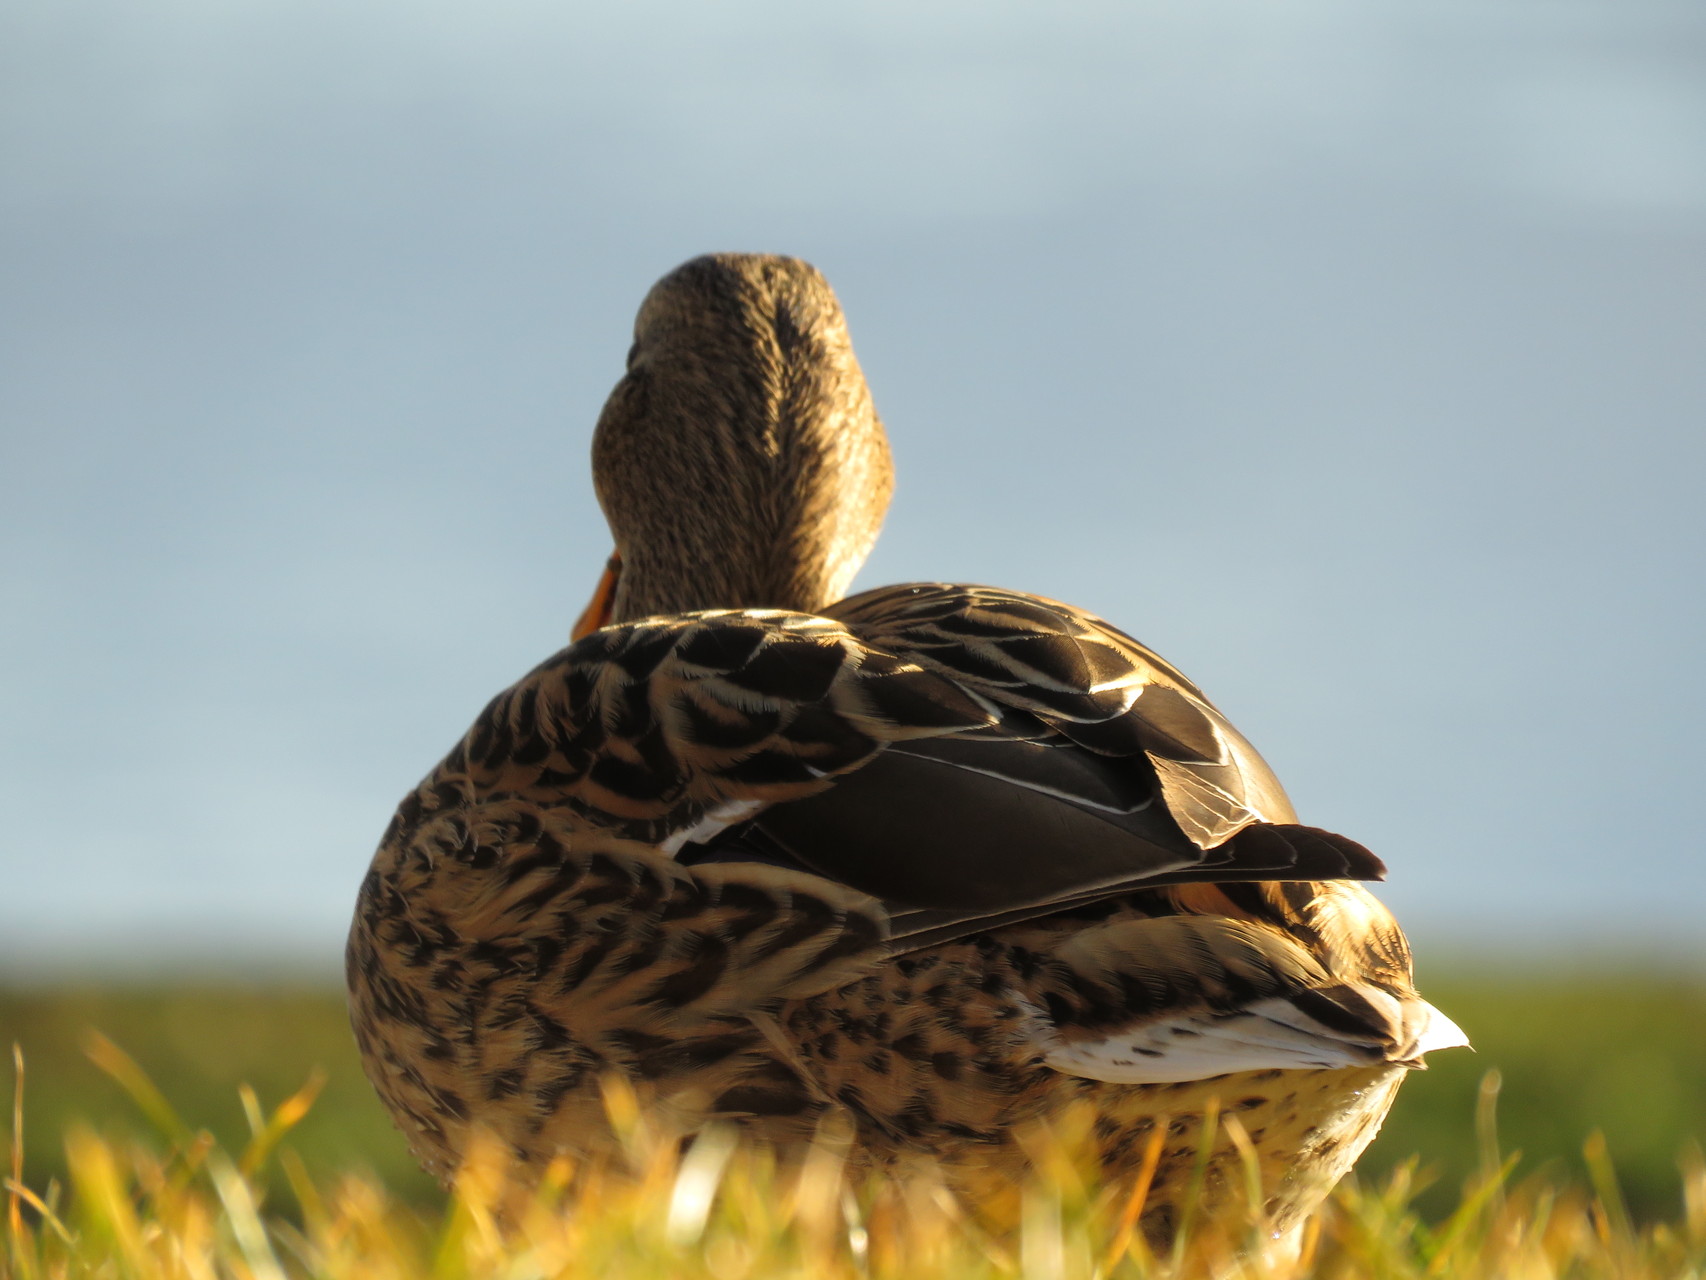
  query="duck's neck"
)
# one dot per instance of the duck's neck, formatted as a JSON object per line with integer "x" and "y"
{"x": 786, "y": 530}
{"x": 711, "y": 577}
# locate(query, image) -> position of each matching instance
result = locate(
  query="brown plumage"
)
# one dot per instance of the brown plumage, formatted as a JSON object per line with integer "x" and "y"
{"x": 938, "y": 860}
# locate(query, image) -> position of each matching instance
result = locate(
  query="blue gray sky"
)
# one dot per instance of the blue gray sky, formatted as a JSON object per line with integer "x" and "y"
{"x": 1349, "y": 353}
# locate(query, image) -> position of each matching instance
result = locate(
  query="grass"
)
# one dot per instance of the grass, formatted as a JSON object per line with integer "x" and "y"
{"x": 197, "y": 1044}
{"x": 1624, "y": 1056}
{"x": 184, "y": 1205}
{"x": 1603, "y": 1085}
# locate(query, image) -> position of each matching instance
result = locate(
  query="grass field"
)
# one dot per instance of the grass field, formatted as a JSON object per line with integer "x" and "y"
{"x": 1623, "y": 1056}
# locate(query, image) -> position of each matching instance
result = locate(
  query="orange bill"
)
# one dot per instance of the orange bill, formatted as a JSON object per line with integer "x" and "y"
{"x": 597, "y": 614}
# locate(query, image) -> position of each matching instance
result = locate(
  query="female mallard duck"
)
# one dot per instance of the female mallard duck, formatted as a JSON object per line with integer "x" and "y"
{"x": 942, "y": 859}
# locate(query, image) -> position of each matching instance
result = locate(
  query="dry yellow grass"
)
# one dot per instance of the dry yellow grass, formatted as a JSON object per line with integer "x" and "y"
{"x": 186, "y": 1208}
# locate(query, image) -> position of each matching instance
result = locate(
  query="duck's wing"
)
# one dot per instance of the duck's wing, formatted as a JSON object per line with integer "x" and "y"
{"x": 968, "y": 756}
{"x": 1087, "y": 686}
{"x": 1101, "y": 769}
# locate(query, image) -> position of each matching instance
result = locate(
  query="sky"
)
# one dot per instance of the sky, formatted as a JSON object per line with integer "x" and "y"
{"x": 1352, "y": 354}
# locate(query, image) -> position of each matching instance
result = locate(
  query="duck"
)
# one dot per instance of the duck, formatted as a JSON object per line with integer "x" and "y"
{"x": 940, "y": 864}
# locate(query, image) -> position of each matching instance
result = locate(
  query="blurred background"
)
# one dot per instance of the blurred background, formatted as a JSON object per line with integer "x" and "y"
{"x": 1350, "y": 354}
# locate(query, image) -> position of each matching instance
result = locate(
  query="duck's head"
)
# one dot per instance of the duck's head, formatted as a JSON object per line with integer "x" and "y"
{"x": 739, "y": 461}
